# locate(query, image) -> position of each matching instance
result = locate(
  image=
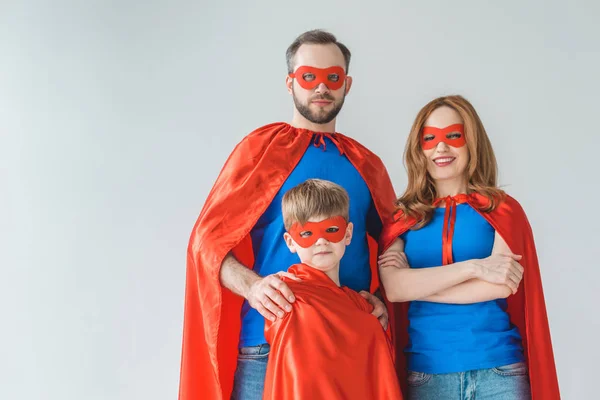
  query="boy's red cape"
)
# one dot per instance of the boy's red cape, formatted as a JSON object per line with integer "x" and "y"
{"x": 526, "y": 308}
{"x": 250, "y": 179}
{"x": 329, "y": 346}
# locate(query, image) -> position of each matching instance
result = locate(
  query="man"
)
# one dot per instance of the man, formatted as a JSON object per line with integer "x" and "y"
{"x": 236, "y": 250}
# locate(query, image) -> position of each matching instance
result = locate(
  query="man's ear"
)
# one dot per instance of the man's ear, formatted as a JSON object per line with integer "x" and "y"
{"x": 289, "y": 82}
{"x": 348, "y": 84}
{"x": 349, "y": 232}
{"x": 289, "y": 242}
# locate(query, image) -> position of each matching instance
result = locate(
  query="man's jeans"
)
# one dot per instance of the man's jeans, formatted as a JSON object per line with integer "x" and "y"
{"x": 249, "y": 380}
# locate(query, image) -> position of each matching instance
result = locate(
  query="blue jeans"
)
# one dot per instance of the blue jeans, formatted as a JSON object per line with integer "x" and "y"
{"x": 509, "y": 382}
{"x": 249, "y": 378}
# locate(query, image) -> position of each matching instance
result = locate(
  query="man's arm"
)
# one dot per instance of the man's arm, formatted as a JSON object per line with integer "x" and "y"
{"x": 267, "y": 295}
{"x": 237, "y": 277}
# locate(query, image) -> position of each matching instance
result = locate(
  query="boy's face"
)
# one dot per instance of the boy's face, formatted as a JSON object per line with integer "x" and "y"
{"x": 315, "y": 241}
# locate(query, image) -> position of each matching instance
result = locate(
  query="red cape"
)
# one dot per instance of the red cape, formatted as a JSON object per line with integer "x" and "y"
{"x": 249, "y": 180}
{"x": 526, "y": 308}
{"x": 329, "y": 346}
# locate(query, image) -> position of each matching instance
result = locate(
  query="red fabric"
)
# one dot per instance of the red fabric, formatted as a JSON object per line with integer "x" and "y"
{"x": 249, "y": 180}
{"x": 441, "y": 135}
{"x": 319, "y": 230}
{"x": 449, "y": 222}
{"x": 329, "y": 346}
{"x": 526, "y": 308}
{"x": 320, "y": 75}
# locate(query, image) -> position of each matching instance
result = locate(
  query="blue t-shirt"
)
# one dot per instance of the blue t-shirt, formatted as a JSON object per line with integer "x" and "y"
{"x": 446, "y": 338}
{"x": 272, "y": 255}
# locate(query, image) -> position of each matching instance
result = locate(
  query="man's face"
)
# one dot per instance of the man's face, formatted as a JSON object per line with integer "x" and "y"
{"x": 322, "y": 103}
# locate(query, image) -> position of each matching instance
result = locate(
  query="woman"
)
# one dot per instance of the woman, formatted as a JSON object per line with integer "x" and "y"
{"x": 478, "y": 327}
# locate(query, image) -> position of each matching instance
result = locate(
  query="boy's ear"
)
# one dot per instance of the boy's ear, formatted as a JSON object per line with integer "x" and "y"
{"x": 289, "y": 242}
{"x": 349, "y": 231}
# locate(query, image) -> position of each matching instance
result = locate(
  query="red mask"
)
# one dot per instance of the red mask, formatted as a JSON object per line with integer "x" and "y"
{"x": 332, "y": 229}
{"x": 453, "y": 135}
{"x": 310, "y": 77}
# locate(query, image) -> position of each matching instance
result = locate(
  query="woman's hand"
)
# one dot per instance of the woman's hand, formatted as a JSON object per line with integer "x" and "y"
{"x": 501, "y": 268}
{"x": 393, "y": 258}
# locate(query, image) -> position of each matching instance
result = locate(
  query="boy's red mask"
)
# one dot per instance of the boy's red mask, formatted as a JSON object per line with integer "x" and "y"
{"x": 311, "y": 77}
{"x": 449, "y": 135}
{"x": 306, "y": 235}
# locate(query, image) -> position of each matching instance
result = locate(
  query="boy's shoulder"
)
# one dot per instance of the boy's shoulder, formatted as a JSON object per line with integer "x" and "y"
{"x": 314, "y": 294}
{"x": 357, "y": 299}
{"x": 305, "y": 290}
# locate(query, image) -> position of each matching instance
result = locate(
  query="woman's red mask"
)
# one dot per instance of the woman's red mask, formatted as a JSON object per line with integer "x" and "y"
{"x": 332, "y": 229}
{"x": 453, "y": 135}
{"x": 311, "y": 77}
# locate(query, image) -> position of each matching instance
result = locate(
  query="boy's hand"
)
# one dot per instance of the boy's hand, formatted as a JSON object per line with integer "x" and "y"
{"x": 379, "y": 309}
{"x": 270, "y": 296}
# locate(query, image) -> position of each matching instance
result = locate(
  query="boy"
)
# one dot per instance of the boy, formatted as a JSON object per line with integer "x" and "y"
{"x": 329, "y": 346}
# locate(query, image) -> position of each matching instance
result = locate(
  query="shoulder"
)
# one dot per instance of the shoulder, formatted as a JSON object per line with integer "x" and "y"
{"x": 510, "y": 201}
{"x": 507, "y": 207}
{"x": 511, "y": 207}
{"x": 358, "y": 300}
{"x": 256, "y": 142}
{"x": 269, "y": 130}
{"x": 399, "y": 224}
{"x": 359, "y": 146}
{"x": 303, "y": 291}
{"x": 266, "y": 132}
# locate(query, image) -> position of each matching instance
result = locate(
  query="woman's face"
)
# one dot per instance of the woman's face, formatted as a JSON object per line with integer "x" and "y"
{"x": 444, "y": 145}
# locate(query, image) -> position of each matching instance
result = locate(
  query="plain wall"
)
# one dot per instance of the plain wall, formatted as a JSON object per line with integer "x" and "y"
{"x": 116, "y": 117}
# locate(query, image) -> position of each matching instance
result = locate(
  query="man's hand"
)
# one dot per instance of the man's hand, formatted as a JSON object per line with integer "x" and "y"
{"x": 270, "y": 296}
{"x": 379, "y": 309}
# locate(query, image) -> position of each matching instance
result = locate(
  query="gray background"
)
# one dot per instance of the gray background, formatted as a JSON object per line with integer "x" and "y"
{"x": 116, "y": 117}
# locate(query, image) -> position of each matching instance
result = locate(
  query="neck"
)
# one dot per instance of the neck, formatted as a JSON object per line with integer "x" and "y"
{"x": 333, "y": 273}
{"x": 447, "y": 187}
{"x": 298, "y": 121}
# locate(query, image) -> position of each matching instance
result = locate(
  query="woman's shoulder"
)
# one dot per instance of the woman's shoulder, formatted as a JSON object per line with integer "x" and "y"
{"x": 506, "y": 206}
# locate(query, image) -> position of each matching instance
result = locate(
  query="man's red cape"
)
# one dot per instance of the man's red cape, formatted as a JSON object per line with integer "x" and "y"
{"x": 527, "y": 308}
{"x": 329, "y": 347}
{"x": 250, "y": 179}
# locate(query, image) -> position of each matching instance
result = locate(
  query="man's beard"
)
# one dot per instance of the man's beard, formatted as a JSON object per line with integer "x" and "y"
{"x": 319, "y": 116}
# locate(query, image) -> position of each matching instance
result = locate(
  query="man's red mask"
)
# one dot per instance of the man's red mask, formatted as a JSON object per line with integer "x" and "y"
{"x": 311, "y": 77}
{"x": 332, "y": 229}
{"x": 453, "y": 135}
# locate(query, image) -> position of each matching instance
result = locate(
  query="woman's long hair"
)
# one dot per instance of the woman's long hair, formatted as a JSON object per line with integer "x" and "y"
{"x": 417, "y": 200}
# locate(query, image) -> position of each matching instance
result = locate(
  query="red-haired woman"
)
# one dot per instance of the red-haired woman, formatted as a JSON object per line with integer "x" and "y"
{"x": 461, "y": 252}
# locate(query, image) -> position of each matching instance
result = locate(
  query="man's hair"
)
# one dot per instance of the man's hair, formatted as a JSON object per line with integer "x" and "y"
{"x": 314, "y": 198}
{"x": 316, "y": 36}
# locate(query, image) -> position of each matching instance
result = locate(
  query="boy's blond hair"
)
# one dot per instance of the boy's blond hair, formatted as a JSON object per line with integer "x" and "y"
{"x": 314, "y": 198}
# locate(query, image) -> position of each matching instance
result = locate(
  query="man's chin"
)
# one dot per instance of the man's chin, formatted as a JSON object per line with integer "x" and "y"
{"x": 321, "y": 120}
{"x": 321, "y": 117}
